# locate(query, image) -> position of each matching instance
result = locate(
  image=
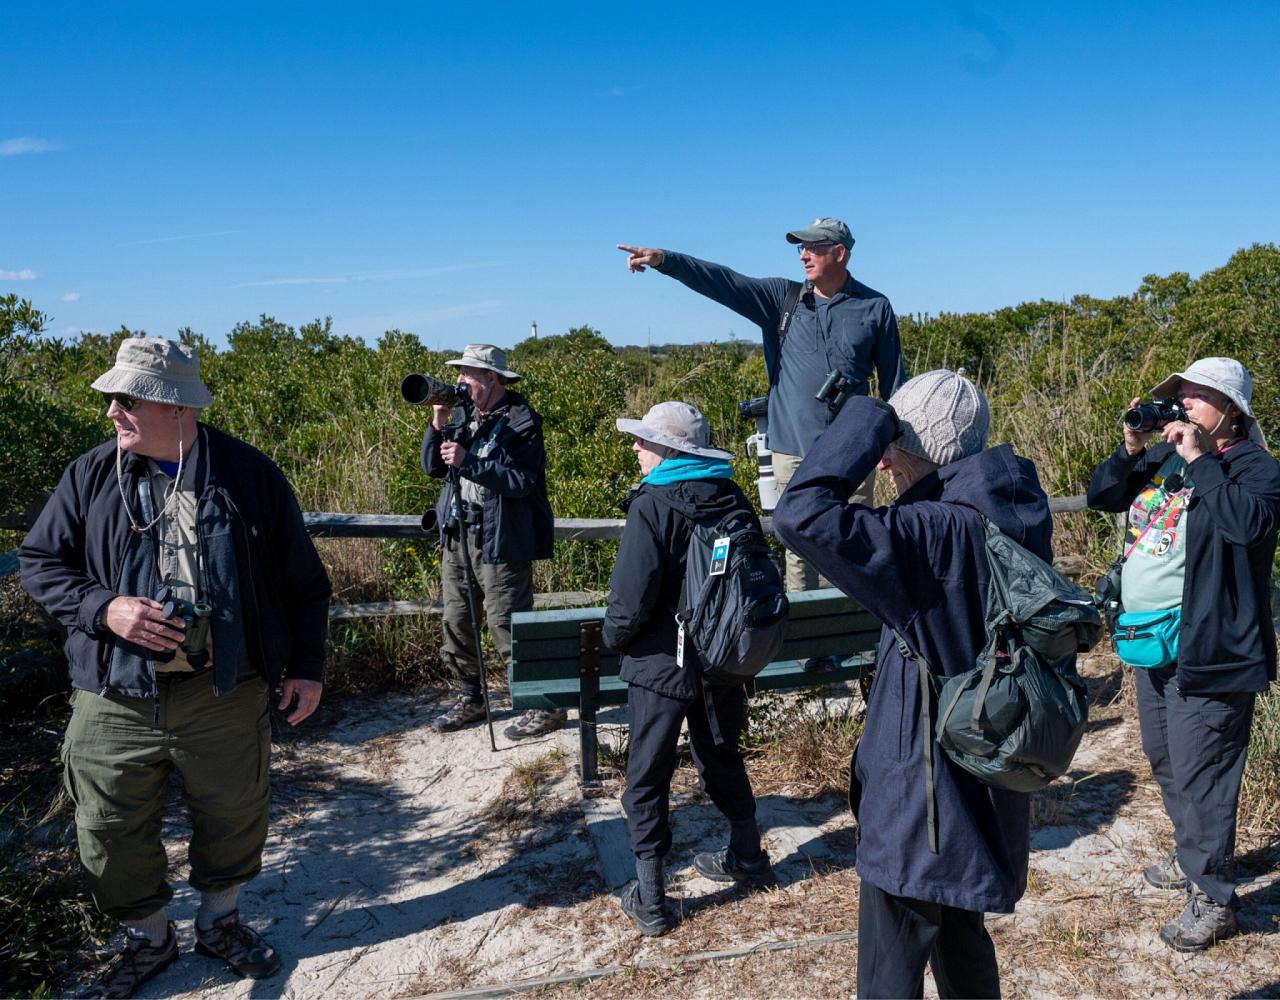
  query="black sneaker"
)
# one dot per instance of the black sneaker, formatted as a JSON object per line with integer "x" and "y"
{"x": 137, "y": 962}
{"x": 241, "y": 947}
{"x": 725, "y": 866}
{"x": 652, "y": 919}
{"x": 460, "y": 713}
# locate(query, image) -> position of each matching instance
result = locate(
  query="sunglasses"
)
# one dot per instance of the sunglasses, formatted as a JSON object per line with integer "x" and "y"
{"x": 126, "y": 403}
{"x": 815, "y": 248}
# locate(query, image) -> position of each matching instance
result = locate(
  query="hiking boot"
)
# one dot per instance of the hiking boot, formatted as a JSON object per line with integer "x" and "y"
{"x": 1201, "y": 924}
{"x": 460, "y": 713}
{"x": 137, "y": 962}
{"x": 652, "y": 919}
{"x": 725, "y": 866}
{"x": 536, "y": 722}
{"x": 241, "y": 947}
{"x": 1168, "y": 874}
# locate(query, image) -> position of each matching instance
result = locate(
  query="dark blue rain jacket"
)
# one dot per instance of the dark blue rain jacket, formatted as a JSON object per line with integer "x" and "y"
{"x": 920, "y": 566}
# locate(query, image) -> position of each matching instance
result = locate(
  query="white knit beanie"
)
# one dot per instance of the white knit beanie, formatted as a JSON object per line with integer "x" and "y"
{"x": 943, "y": 417}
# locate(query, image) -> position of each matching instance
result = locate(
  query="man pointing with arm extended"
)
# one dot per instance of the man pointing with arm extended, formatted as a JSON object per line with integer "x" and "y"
{"x": 831, "y": 324}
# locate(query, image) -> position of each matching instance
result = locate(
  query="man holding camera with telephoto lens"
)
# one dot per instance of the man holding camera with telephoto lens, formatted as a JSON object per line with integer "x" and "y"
{"x": 822, "y": 341}
{"x": 176, "y": 559}
{"x": 495, "y": 446}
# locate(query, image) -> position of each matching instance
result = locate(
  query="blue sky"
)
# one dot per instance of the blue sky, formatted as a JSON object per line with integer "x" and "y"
{"x": 460, "y": 171}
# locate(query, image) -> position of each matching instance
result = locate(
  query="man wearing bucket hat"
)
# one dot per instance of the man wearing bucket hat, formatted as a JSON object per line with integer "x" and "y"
{"x": 1203, "y": 510}
{"x": 831, "y": 325}
{"x": 920, "y": 566}
{"x": 684, "y": 480}
{"x": 502, "y": 504}
{"x": 176, "y": 559}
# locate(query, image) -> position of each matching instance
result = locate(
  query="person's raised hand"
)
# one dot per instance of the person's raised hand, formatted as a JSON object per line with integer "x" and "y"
{"x": 638, "y": 258}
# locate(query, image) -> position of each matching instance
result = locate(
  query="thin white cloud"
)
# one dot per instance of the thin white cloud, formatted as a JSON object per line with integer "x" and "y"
{"x": 71, "y": 297}
{"x": 26, "y": 274}
{"x": 356, "y": 277}
{"x": 186, "y": 236}
{"x": 27, "y": 144}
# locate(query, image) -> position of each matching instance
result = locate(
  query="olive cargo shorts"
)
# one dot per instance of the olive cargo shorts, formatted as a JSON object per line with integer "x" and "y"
{"x": 117, "y": 766}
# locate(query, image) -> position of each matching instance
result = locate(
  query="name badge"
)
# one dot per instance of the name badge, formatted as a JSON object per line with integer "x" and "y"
{"x": 719, "y": 556}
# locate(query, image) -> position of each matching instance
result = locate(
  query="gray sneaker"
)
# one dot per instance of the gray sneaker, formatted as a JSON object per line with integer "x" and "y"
{"x": 536, "y": 722}
{"x": 1201, "y": 924}
{"x": 725, "y": 866}
{"x": 460, "y": 713}
{"x": 137, "y": 962}
{"x": 1168, "y": 874}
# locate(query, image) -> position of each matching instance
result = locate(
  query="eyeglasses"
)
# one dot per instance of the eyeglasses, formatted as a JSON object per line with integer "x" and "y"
{"x": 816, "y": 248}
{"x": 126, "y": 403}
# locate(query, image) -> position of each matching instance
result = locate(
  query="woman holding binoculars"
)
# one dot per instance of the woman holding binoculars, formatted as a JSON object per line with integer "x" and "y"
{"x": 1203, "y": 506}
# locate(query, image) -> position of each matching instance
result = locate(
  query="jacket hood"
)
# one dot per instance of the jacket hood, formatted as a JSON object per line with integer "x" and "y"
{"x": 698, "y": 499}
{"x": 1004, "y": 488}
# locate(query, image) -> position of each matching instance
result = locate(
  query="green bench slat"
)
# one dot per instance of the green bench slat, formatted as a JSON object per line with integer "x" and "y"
{"x": 556, "y": 693}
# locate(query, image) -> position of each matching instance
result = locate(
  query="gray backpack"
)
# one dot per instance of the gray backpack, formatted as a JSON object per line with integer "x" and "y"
{"x": 1015, "y": 720}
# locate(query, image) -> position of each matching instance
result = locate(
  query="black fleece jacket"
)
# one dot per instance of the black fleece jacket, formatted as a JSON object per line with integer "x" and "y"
{"x": 1228, "y": 641}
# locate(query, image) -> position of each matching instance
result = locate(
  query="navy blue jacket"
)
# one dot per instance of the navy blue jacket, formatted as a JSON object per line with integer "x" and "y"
{"x": 269, "y": 590}
{"x": 854, "y": 331}
{"x": 920, "y": 566}
{"x": 645, "y": 586}
{"x": 518, "y": 524}
{"x": 1227, "y": 642}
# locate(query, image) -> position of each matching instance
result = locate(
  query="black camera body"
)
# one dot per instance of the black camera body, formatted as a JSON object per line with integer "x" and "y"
{"x": 837, "y": 388}
{"x": 1106, "y": 593}
{"x": 1152, "y": 416}
{"x": 198, "y": 617}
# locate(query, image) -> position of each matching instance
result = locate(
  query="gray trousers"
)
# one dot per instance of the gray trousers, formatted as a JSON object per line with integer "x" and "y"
{"x": 800, "y": 575}
{"x": 1197, "y": 746}
{"x": 500, "y": 590}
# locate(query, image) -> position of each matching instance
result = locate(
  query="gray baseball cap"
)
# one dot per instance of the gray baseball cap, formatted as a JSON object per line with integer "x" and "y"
{"x": 675, "y": 425}
{"x": 486, "y": 356}
{"x": 823, "y": 229}
{"x": 157, "y": 370}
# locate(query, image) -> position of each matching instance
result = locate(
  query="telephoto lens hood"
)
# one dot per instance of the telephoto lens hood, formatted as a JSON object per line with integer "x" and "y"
{"x": 423, "y": 390}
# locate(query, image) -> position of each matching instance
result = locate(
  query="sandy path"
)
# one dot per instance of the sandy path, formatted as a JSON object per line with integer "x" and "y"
{"x": 399, "y": 866}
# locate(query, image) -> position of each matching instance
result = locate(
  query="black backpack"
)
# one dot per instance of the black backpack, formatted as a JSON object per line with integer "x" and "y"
{"x": 1015, "y": 720}
{"x": 734, "y": 619}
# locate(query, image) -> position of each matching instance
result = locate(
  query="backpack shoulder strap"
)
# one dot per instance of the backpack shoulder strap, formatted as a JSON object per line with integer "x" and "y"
{"x": 924, "y": 673}
{"x": 794, "y": 290}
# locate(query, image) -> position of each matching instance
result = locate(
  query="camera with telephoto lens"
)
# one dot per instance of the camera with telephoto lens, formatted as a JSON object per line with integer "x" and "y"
{"x": 423, "y": 390}
{"x": 197, "y": 615}
{"x": 837, "y": 388}
{"x": 1154, "y": 415}
{"x": 757, "y": 409}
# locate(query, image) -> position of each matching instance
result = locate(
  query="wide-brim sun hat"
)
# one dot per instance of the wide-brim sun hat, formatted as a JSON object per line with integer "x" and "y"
{"x": 675, "y": 425}
{"x": 487, "y": 357}
{"x": 1227, "y": 375}
{"x": 157, "y": 370}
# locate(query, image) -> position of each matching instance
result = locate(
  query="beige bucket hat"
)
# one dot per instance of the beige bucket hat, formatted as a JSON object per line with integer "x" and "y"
{"x": 157, "y": 370}
{"x": 486, "y": 356}
{"x": 675, "y": 425}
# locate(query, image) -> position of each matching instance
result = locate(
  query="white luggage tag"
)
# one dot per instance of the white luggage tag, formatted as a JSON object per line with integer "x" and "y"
{"x": 719, "y": 556}
{"x": 679, "y": 643}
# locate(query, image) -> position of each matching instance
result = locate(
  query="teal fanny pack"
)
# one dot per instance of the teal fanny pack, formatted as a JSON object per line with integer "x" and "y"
{"x": 1148, "y": 639}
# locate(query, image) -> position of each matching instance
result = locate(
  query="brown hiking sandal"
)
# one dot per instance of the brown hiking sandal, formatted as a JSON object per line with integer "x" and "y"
{"x": 137, "y": 962}
{"x": 241, "y": 947}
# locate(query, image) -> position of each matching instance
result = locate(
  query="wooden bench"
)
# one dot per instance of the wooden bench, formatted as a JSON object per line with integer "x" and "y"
{"x": 558, "y": 660}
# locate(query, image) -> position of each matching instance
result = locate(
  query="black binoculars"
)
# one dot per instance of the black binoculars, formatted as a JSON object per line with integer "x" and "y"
{"x": 1154, "y": 415}
{"x": 197, "y": 615}
{"x": 835, "y": 390}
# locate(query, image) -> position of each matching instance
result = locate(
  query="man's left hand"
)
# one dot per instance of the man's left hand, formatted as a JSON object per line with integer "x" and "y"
{"x": 307, "y": 694}
{"x": 452, "y": 453}
{"x": 1186, "y": 440}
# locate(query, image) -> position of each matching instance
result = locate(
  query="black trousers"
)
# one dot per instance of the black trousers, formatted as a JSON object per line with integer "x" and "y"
{"x": 898, "y": 936}
{"x": 651, "y": 761}
{"x": 1197, "y": 746}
